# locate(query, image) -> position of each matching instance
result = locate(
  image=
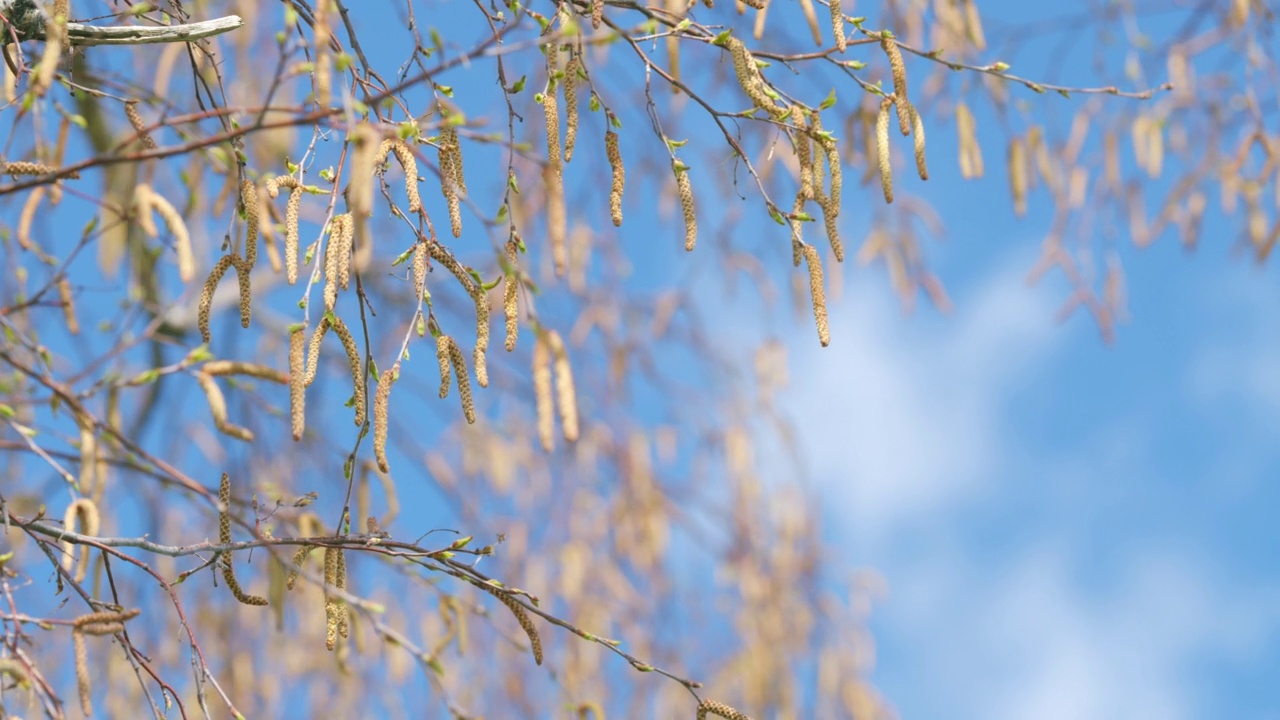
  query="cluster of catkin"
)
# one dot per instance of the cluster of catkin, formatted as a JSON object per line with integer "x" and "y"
{"x": 549, "y": 350}
{"x": 97, "y": 624}
{"x": 224, "y": 538}
{"x": 909, "y": 122}
{"x": 749, "y": 78}
{"x": 335, "y": 608}
{"x": 85, "y": 511}
{"x": 243, "y": 265}
{"x": 146, "y": 201}
{"x": 452, "y": 180}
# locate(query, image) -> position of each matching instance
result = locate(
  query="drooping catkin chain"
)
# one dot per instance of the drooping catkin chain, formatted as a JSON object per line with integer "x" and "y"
{"x": 354, "y": 362}
{"x": 510, "y": 288}
{"x": 211, "y": 285}
{"x": 224, "y": 538}
{"x": 566, "y": 393}
{"x": 521, "y": 615}
{"x": 619, "y": 176}
{"x": 570, "y": 86}
{"x": 899, "y": 71}
{"x": 749, "y": 78}
{"x": 146, "y": 200}
{"x": 140, "y": 127}
{"x": 818, "y": 293}
{"x": 542, "y": 392}
{"x": 408, "y": 163}
{"x": 297, "y": 388}
{"x": 804, "y": 151}
{"x": 685, "y": 190}
{"x": 86, "y": 512}
{"x": 446, "y": 345}
{"x": 834, "y": 167}
{"x": 381, "y": 398}
{"x": 882, "y": 149}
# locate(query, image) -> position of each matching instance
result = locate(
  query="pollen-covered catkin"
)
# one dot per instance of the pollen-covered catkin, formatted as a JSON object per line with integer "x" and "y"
{"x": 205, "y": 307}
{"x": 448, "y": 186}
{"x": 86, "y": 511}
{"x": 246, "y": 290}
{"x": 522, "y": 617}
{"x": 459, "y": 363}
{"x": 313, "y": 353}
{"x": 804, "y": 151}
{"x": 340, "y": 607}
{"x": 882, "y": 150}
{"x": 719, "y": 709}
{"x": 619, "y": 179}
{"x": 553, "y": 182}
{"x": 899, "y": 71}
{"x": 419, "y": 268}
{"x": 748, "y": 74}
{"x": 224, "y": 538}
{"x": 354, "y": 364}
{"x": 343, "y": 237}
{"x": 832, "y": 151}
{"x": 410, "y": 166}
{"x": 68, "y": 301}
{"x": 510, "y": 288}
{"x": 597, "y": 13}
{"x": 917, "y": 132}
{"x": 685, "y": 190}
{"x": 442, "y": 357}
{"x": 482, "y": 337}
{"x": 566, "y": 393}
{"x": 570, "y": 85}
{"x": 837, "y": 25}
{"x": 818, "y": 292}
{"x": 542, "y": 392}
{"x": 381, "y": 399}
{"x": 297, "y": 390}
{"x": 135, "y": 120}
{"x": 249, "y": 198}
{"x": 330, "y": 602}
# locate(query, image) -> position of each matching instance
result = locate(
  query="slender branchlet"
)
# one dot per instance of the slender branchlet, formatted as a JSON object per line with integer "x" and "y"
{"x": 685, "y": 190}
{"x": 899, "y": 70}
{"x": 521, "y": 615}
{"x": 146, "y": 201}
{"x": 510, "y": 288}
{"x": 619, "y": 179}
{"x": 85, "y": 511}
{"x": 224, "y": 538}
{"x": 249, "y": 198}
{"x": 917, "y": 133}
{"x": 380, "y": 400}
{"x": 818, "y": 293}
{"x": 218, "y": 408}
{"x": 719, "y": 709}
{"x": 297, "y": 388}
{"x": 882, "y": 150}
{"x": 211, "y": 284}
{"x": 566, "y": 393}
{"x": 135, "y": 120}
{"x": 410, "y": 166}
{"x": 542, "y": 391}
{"x": 837, "y": 25}
{"x": 570, "y": 86}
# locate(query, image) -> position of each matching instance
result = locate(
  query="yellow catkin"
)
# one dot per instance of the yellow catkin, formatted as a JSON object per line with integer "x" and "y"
{"x": 570, "y": 86}
{"x": 313, "y": 352}
{"x": 224, "y": 538}
{"x": 211, "y": 284}
{"x": 459, "y": 363}
{"x": 290, "y": 221}
{"x": 246, "y": 290}
{"x": 818, "y": 293}
{"x": 149, "y": 200}
{"x": 135, "y": 120}
{"x": 479, "y": 356}
{"x": 556, "y": 228}
{"x": 1018, "y": 176}
{"x": 340, "y": 608}
{"x": 597, "y": 13}
{"x": 23, "y": 167}
{"x": 441, "y": 254}
{"x": 28, "y": 216}
{"x": 882, "y": 150}
{"x": 299, "y": 558}
{"x": 448, "y": 186}
{"x": 55, "y": 41}
{"x": 719, "y": 709}
{"x": 381, "y": 398}
{"x": 249, "y": 199}
{"x": 86, "y": 512}
{"x": 323, "y": 63}
{"x": 354, "y": 364}
{"x": 832, "y": 227}
{"x": 917, "y": 133}
{"x": 542, "y": 392}
{"x": 970, "y": 152}
{"x": 566, "y": 393}
{"x": 832, "y": 151}
{"x": 619, "y": 179}
{"x": 410, "y": 166}
{"x": 218, "y": 408}
{"x": 419, "y": 268}
{"x": 837, "y": 25}
{"x": 510, "y": 288}
{"x": 973, "y": 25}
{"x": 82, "y": 672}
{"x": 346, "y": 240}
{"x": 748, "y": 75}
{"x": 685, "y": 190}
{"x": 899, "y": 71}
{"x": 297, "y": 390}
{"x": 804, "y": 151}
{"x": 330, "y": 602}
{"x": 442, "y": 356}
{"x": 67, "y": 298}
{"x": 521, "y": 615}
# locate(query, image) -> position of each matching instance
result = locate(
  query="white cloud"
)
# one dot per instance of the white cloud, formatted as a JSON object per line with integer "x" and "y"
{"x": 901, "y": 415}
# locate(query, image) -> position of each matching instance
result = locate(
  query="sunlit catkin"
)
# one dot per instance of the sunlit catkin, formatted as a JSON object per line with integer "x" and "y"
{"x": 619, "y": 179}
{"x": 67, "y": 298}
{"x": 299, "y": 558}
{"x": 330, "y": 602}
{"x": 297, "y": 390}
{"x": 218, "y": 409}
{"x": 1018, "y": 176}
{"x": 719, "y": 709}
{"x": 85, "y": 511}
{"x": 566, "y": 393}
{"x": 446, "y": 158}
{"x": 146, "y": 201}
{"x": 570, "y": 85}
{"x": 521, "y": 615}
{"x": 211, "y": 285}
{"x": 553, "y": 182}
{"x": 685, "y": 190}
{"x": 882, "y": 150}
{"x": 917, "y": 133}
{"x": 542, "y": 392}
{"x": 224, "y": 538}
{"x": 482, "y": 337}
{"x": 832, "y": 151}
{"x": 837, "y": 25}
{"x": 140, "y": 127}
{"x": 748, "y": 75}
{"x": 381, "y": 398}
{"x": 410, "y": 166}
{"x": 899, "y": 70}
{"x": 510, "y": 291}
{"x": 804, "y": 151}
{"x": 442, "y": 358}
{"x": 249, "y": 199}
{"x": 818, "y": 293}
{"x": 459, "y": 363}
